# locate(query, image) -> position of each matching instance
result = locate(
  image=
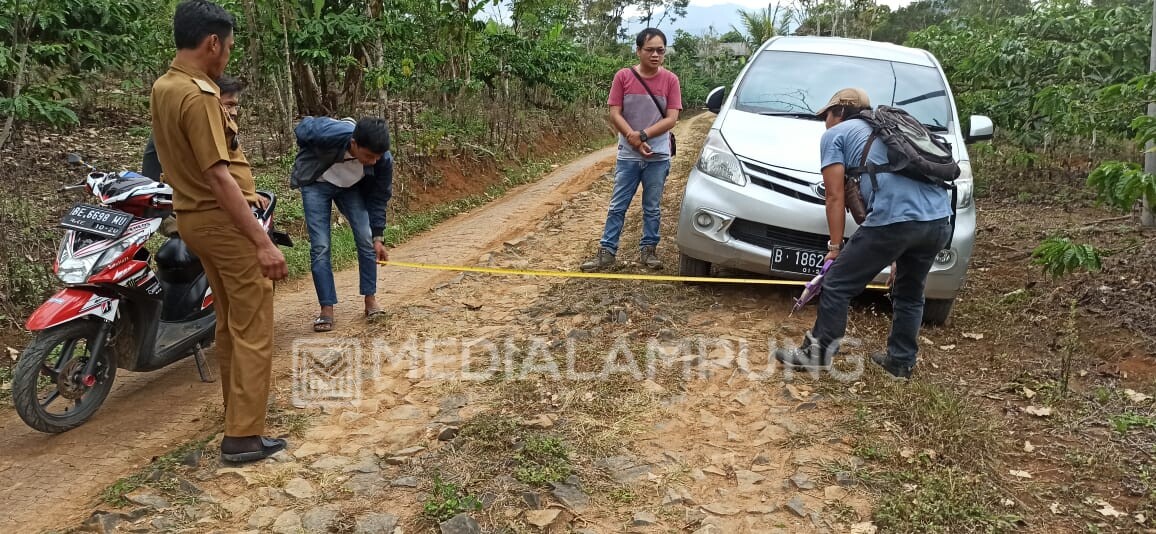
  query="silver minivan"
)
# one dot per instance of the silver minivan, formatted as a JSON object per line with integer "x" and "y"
{"x": 754, "y": 199}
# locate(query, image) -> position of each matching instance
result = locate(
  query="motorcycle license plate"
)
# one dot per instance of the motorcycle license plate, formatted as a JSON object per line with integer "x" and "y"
{"x": 96, "y": 220}
{"x": 795, "y": 260}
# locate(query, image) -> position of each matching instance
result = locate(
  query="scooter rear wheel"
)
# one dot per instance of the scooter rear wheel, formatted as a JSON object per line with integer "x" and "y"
{"x": 48, "y": 375}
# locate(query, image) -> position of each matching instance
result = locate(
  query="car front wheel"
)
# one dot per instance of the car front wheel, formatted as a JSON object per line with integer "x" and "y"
{"x": 937, "y": 312}
{"x": 688, "y": 266}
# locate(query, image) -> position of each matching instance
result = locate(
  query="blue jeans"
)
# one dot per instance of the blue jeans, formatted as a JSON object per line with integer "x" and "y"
{"x": 318, "y": 199}
{"x": 627, "y": 175}
{"x": 912, "y": 246}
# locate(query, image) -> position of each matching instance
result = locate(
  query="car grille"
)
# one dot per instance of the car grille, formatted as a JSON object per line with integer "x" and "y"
{"x": 771, "y": 179}
{"x": 766, "y": 236}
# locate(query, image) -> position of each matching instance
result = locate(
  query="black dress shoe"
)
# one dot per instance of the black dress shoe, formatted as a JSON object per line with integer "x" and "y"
{"x": 250, "y": 449}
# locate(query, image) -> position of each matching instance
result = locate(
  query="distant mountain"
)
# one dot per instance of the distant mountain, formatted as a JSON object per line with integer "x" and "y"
{"x": 697, "y": 20}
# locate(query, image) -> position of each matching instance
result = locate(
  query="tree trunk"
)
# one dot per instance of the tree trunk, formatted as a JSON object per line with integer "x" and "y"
{"x": 290, "y": 99}
{"x": 377, "y": 57}
{"x": 1147, "y": 218}
{"x": 17, "y": 86}
{"x": 254, "y": 46}
{"x": 354, "y": 82}
{"x": 311, "y": 101}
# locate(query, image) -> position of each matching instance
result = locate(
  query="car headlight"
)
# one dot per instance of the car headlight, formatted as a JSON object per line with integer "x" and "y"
{"x": 964, "y": 187}
{"x": 717, "y": 160}
{"x": 964, "y": 195}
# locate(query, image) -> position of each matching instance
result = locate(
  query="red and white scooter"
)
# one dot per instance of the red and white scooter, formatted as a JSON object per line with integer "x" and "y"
{"x": 115, "y": 311}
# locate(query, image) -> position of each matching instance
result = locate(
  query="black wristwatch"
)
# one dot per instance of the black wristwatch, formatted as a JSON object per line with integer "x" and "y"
{"x": 642, "y": 135}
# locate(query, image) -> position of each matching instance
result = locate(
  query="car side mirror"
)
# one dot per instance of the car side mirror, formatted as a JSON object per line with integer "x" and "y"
{"x": 980, "y": 129}
{"x": 714, "y": 100}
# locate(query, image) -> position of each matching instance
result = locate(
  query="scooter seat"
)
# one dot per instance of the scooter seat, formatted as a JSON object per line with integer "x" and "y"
{"x": 176, "y": 264}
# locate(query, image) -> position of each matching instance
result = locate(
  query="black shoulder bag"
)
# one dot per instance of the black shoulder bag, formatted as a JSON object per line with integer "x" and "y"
{"x": 661, "y": 112}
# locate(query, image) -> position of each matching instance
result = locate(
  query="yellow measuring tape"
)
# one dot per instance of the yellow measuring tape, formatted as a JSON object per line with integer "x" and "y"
{"x": 611, "y": 276}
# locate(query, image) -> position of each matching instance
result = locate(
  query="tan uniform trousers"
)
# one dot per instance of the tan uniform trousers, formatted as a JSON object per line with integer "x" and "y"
{"x": 243, "y": 301}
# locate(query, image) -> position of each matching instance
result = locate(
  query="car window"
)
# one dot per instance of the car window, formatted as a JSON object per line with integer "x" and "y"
{"x": 800, "y": 82}
{"x": 919, "y": 90}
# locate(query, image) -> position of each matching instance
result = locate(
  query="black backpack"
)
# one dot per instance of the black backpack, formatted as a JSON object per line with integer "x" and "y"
{"x": 913, "y": 151}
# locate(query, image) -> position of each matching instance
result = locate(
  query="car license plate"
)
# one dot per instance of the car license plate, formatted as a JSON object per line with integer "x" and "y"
{"x": 796, "y": 260}
{"x": 96, "y": 220}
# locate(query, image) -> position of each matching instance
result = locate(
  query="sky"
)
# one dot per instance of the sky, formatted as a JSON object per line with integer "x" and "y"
{"x": 754, "y": 4}
{"x": 717, "y": 14}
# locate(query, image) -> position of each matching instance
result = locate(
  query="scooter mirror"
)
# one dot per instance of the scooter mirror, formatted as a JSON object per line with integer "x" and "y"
{"x": 74, "y": 159}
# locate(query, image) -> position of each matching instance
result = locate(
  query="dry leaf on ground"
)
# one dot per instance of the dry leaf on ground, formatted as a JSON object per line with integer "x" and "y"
{"x": 1039, "y": 412}
{"x": 1107, "y": 510}
{"x": 1133, "y": 396}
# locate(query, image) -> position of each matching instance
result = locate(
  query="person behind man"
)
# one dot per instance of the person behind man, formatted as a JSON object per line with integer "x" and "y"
{"x": 230, "y": 100}
{"x": 907, "y": 224}
{"x": 213, "y": 194}
{"x": 644, "y": 147}
{"x": 345, "y": 163}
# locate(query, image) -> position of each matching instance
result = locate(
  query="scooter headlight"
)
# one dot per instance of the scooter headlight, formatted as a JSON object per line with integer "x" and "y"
{"x": 114, "y": 252}
{"x": 72, "y": 270}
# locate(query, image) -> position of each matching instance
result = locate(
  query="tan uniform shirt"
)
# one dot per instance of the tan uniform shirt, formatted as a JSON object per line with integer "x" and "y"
{"x": 192, "y": 133}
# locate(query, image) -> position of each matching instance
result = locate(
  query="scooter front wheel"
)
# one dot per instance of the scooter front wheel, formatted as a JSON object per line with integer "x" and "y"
{"x": 48, "y": 386}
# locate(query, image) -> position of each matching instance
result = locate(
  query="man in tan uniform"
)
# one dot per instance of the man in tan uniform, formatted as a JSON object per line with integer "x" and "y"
{"x": 213, "y": 193}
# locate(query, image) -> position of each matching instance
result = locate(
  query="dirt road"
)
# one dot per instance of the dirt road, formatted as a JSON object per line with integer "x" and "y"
{"x": 54, "y": 481}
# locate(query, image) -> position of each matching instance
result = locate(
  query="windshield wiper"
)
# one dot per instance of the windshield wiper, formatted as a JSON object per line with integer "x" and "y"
{"x": 922, "y": 97}
{"x": 793, "y": 114}
{"x": 935, "y": 128}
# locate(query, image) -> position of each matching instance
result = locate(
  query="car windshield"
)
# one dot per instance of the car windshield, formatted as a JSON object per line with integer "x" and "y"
{"x": 794, "y": 83}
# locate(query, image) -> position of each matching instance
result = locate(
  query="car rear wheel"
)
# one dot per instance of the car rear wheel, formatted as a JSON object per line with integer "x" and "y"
{"x": 688, "y": 266}
{"x": 937, "y": 312}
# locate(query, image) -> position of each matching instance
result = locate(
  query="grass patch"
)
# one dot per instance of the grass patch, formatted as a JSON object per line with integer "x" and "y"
{"x": 940, "y": 499}
{"x": 622, "y": 495}
{"x": 542, "y": 459}
{"x": 938, "y": 482}
{"x": 5, "y": 382}
{"x": 292, "y": 422}
{"x": 446, "y": 500}
{"x": 936, "y": 417}
{"x": 489, "y": 432}
{"x": 1125, "y": 422}
{"x": 155, "y": 476}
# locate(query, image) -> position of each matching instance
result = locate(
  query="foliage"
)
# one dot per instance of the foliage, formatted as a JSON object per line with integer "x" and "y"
{"x": 671, "y": 10}
{"x": 1124, "y": 422}
{"x": 1040, "y": 74}
{"x": 51, "y": 50}
{"x": 1059, "y": 256}
{"x": 1121, "y": 185}
{"x": 542, "y": 460}
{"x": 898, "y": 25}
{"x": 758, "y": 25}
{"x": 701, "y": 64}
{"x": 447, "y": 499}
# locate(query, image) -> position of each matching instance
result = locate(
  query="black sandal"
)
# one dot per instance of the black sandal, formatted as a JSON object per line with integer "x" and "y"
{"x": 323, "y": 323}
